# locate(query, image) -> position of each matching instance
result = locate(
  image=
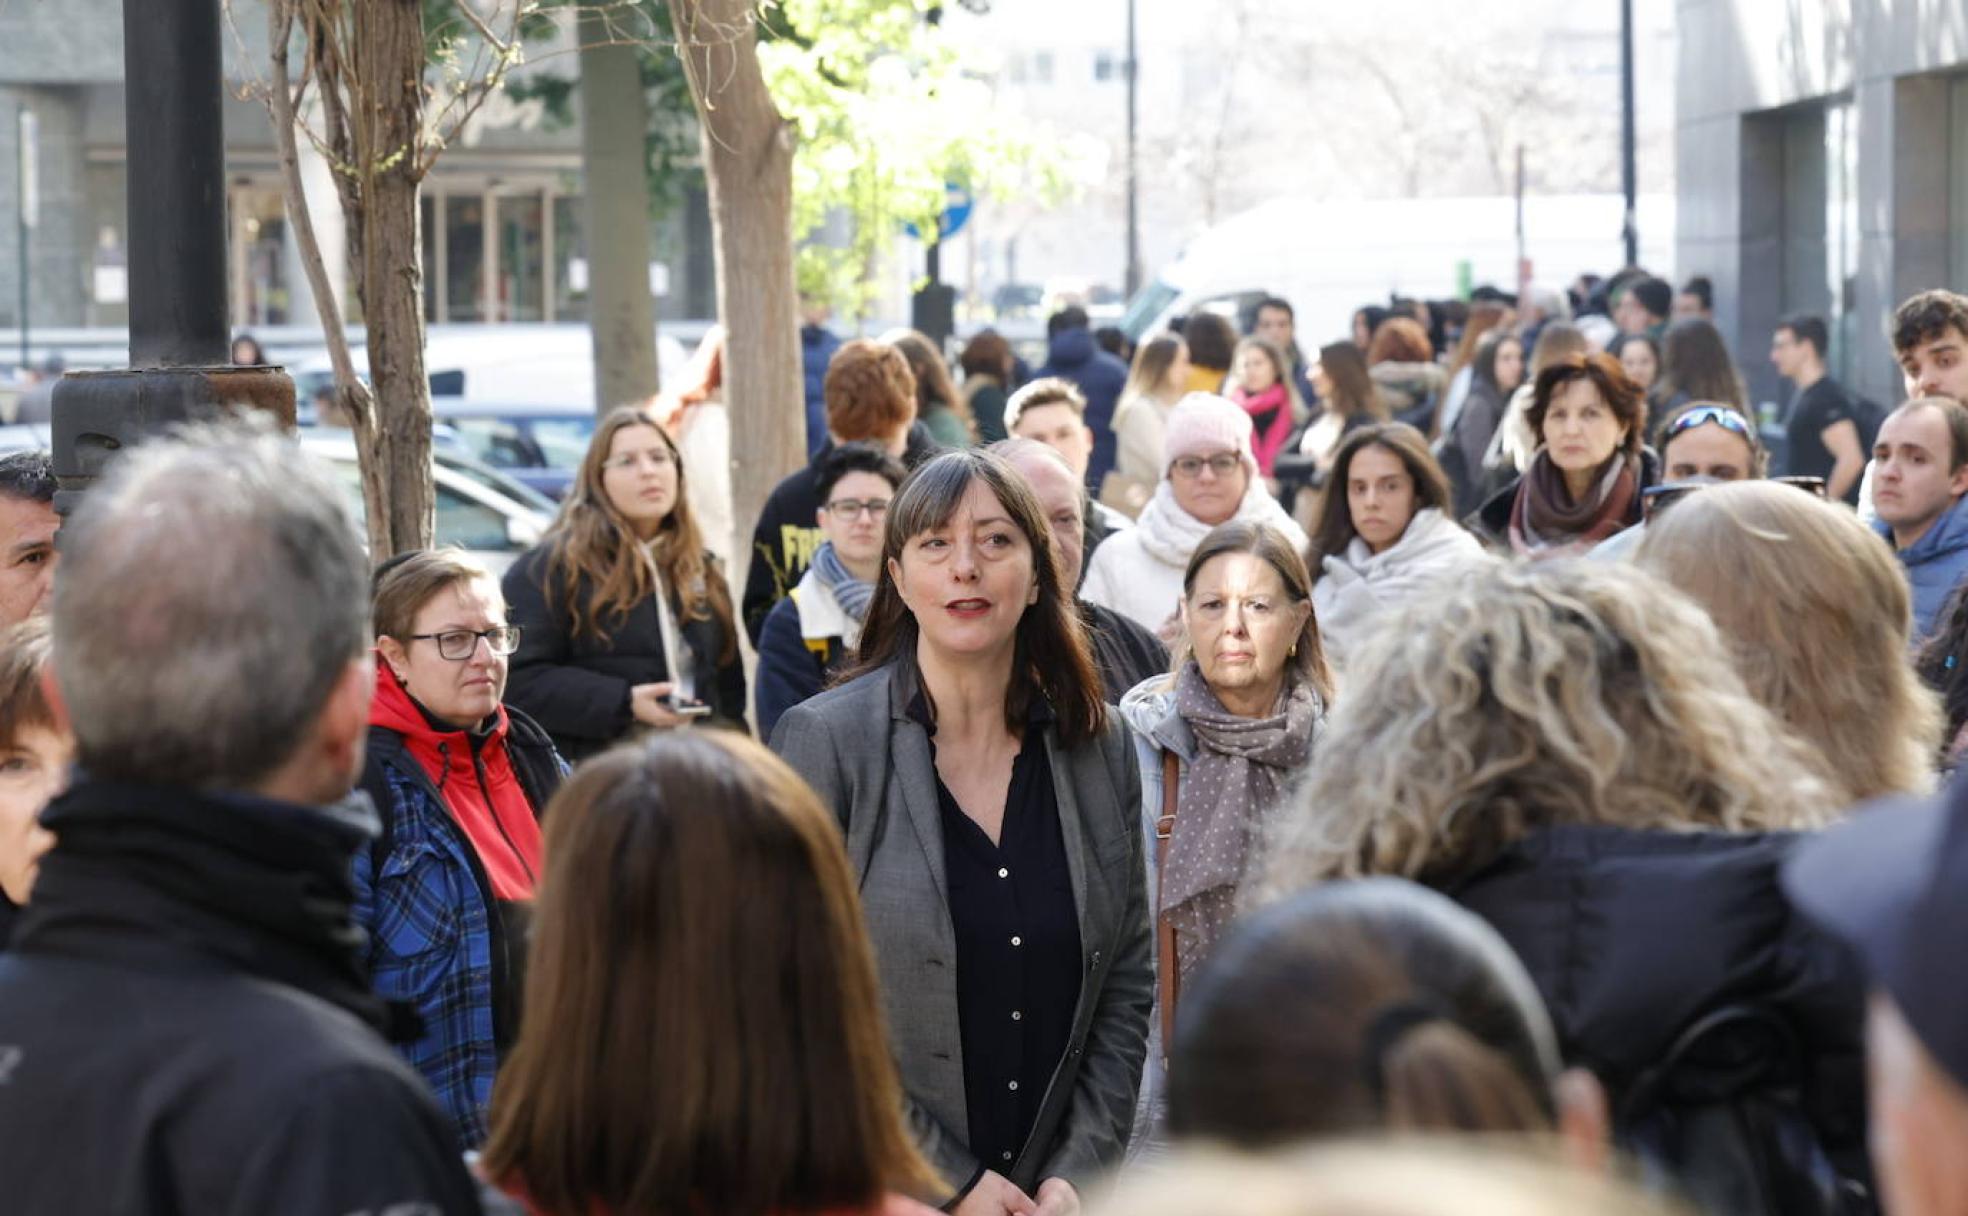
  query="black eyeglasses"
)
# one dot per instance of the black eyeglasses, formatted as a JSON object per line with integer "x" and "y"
{"x": 1720, "y": 415}
{"x": 457, "y": 645}
{"x": 1191, "y": 467}
{"x": 854, "y": 508}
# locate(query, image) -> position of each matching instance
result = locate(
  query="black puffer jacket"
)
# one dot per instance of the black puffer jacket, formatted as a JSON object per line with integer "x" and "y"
{"x": 1634, "y": 936}
{"x": 577, "y": 686}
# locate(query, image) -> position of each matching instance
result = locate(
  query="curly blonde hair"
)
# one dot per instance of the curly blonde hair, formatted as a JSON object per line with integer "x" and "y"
{"x": 1817, "y": 615}
{"x": 1526, "y": 696}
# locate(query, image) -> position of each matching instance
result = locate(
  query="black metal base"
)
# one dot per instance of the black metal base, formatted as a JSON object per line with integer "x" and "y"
{"x": 98, "y": 414}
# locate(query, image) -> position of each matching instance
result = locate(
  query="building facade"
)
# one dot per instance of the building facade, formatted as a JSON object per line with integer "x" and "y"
{"x": 1822, "y": 150}
{"x": 502, "y": 211}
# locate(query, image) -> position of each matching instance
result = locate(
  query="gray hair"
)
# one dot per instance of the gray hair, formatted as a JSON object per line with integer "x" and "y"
{"x": 213, "y": 590}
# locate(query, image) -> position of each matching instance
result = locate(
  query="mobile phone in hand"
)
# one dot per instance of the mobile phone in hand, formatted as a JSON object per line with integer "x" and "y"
{"x": 683, "y": 708}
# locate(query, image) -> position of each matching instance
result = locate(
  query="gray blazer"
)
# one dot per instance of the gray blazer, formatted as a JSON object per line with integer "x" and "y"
{"x": 882, "y": 785}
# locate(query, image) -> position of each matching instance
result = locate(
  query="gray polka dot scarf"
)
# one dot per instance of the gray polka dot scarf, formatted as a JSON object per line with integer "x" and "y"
{"x": 1242, "y": 770}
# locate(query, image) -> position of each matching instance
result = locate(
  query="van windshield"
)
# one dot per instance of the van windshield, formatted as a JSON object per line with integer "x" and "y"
{"x": 1147, "y": 304}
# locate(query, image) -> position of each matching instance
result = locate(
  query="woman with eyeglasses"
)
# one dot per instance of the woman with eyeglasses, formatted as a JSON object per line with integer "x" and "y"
{"x": 1209, "y": 477}
{"x": 810, "y": 636}
{"x": 459, "y": 780}
{"x": 626, "y": 621}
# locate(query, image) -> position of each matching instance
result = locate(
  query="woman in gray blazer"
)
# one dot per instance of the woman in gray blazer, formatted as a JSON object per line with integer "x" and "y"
{"x": 990, "y": 802}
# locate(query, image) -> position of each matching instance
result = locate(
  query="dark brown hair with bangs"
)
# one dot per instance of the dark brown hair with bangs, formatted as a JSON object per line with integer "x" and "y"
{"x": 23, "y": 659}
{"x": 704, "y": 1027}
{"x": 1051, "y": 659}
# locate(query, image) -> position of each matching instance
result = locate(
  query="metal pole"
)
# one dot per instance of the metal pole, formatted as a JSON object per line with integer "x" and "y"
{"x": 1133, "y": 277}
{"x": 176, "y": 138}
{"x": 20, "y": 224}
{"x": 1628, "y": 174}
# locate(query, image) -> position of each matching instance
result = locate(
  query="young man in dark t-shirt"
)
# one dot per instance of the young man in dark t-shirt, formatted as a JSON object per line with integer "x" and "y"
{"x": 1821, "y": 429}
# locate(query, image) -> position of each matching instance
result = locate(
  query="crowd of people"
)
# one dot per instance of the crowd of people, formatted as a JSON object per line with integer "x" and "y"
{"x": 1476, "y": 764}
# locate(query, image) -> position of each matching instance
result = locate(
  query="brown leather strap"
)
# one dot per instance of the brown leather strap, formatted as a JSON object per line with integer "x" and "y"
{"x": 1167, "y": 980}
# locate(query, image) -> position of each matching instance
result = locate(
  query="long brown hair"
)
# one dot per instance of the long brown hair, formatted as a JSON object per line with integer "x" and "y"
{"x": 1353, "y": 390}
{"x": 594, "y": 565}
{"x": 704, "y": 1028}
{"x": 1335, "y": 528}
{"x": 1695, "y": 361}
{"x": 933, "y": 383}
{"x": 1269, "y": 546}
{"x": 1356, "y": 1008}
{"x": 1152, "y": 360}
{"x": 1051, "y": 659}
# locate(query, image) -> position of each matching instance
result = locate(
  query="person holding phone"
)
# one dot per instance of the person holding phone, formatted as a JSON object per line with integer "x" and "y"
{"x": 625, "y": 620}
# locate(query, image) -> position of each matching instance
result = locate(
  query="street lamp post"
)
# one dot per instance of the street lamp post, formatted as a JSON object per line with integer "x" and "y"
{"x": 1629, "y": 184}
{"x": 1133, "y": 275}
{"x": 179, "y": 349}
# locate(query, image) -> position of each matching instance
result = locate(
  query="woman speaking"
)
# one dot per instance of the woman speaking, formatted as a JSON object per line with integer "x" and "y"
{"x": 992, "y": 824}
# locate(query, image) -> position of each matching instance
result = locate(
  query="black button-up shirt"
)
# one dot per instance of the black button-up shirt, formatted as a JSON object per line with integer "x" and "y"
{"x": 1018, "y": 947}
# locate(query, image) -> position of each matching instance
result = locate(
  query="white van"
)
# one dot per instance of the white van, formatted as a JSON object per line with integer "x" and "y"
{"x": 1331, "y": 257}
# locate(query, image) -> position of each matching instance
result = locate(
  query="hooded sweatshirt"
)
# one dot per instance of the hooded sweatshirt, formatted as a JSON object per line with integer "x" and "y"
{"x": 1074, "y": 355}
{"x": 1935, "y": 564}
{"x": 473, "y": 772}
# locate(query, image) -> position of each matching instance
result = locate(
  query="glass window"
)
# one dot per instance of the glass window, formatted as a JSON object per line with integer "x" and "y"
{"x": 570, "y": 303}
{"x": 1958, "y": 181}
{"x": 522, "y": 257}
{"x": 468, "y": 523}
{"x": 563, "y": 441}
{"x": 464, "y": 257}
{"x": 499, "y": 442}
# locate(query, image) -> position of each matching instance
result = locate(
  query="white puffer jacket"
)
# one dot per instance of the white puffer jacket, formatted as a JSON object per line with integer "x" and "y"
{"x": 1359, "y": 588}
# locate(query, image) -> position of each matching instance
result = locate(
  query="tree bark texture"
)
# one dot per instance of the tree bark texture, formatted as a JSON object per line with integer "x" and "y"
{"x": 614, "y": 123}
{"x": 748, "y": 160}
{"x": 387, "y": 117}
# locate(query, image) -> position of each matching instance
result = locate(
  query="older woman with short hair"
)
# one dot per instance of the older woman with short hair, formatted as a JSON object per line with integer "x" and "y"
{"x": 459, "y": 780}
{"x": 989, "y": 803}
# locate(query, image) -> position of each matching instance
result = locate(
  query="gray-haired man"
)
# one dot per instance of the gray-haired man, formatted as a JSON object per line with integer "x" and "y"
{"x": 185, "y": 1024}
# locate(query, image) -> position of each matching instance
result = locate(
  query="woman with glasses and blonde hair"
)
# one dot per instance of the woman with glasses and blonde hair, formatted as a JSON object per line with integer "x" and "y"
{"x": 1209, "y": 477}
{"x": 458, "y": 780}
{"x": 625, "y": 620}
{"x": 1566, "y": 750}
{"x": 1817, "y": 616}
{"x": 703, "y": 1018}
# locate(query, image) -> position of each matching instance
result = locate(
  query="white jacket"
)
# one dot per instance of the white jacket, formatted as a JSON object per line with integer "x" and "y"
{"x": 1360, "y": 588}
{"x": 1138, "y": 573}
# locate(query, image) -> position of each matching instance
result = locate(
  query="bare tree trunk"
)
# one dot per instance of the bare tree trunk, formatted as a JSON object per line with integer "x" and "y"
{"x": 395, "y": 439}
{"x": 748, "y": 158}
{"x": 351, "y": 395}
{"x": 614, "y": 119}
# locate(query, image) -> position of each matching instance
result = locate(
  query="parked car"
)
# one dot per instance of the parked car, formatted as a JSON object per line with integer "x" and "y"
{"x": 538, "y": 445}
{"x": 472, "y": 511}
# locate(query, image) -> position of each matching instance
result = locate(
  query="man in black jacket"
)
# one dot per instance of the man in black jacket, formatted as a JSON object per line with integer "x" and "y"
{"x": 871, "y": 398}
{"x": 185, "y": 1026}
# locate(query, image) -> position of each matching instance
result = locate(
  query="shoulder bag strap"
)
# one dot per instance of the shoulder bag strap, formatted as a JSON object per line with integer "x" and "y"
{"x": 1166, "y": 978}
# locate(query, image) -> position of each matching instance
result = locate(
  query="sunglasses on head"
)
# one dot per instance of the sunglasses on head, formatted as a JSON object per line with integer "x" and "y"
{"x": 1720, "y": 415}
